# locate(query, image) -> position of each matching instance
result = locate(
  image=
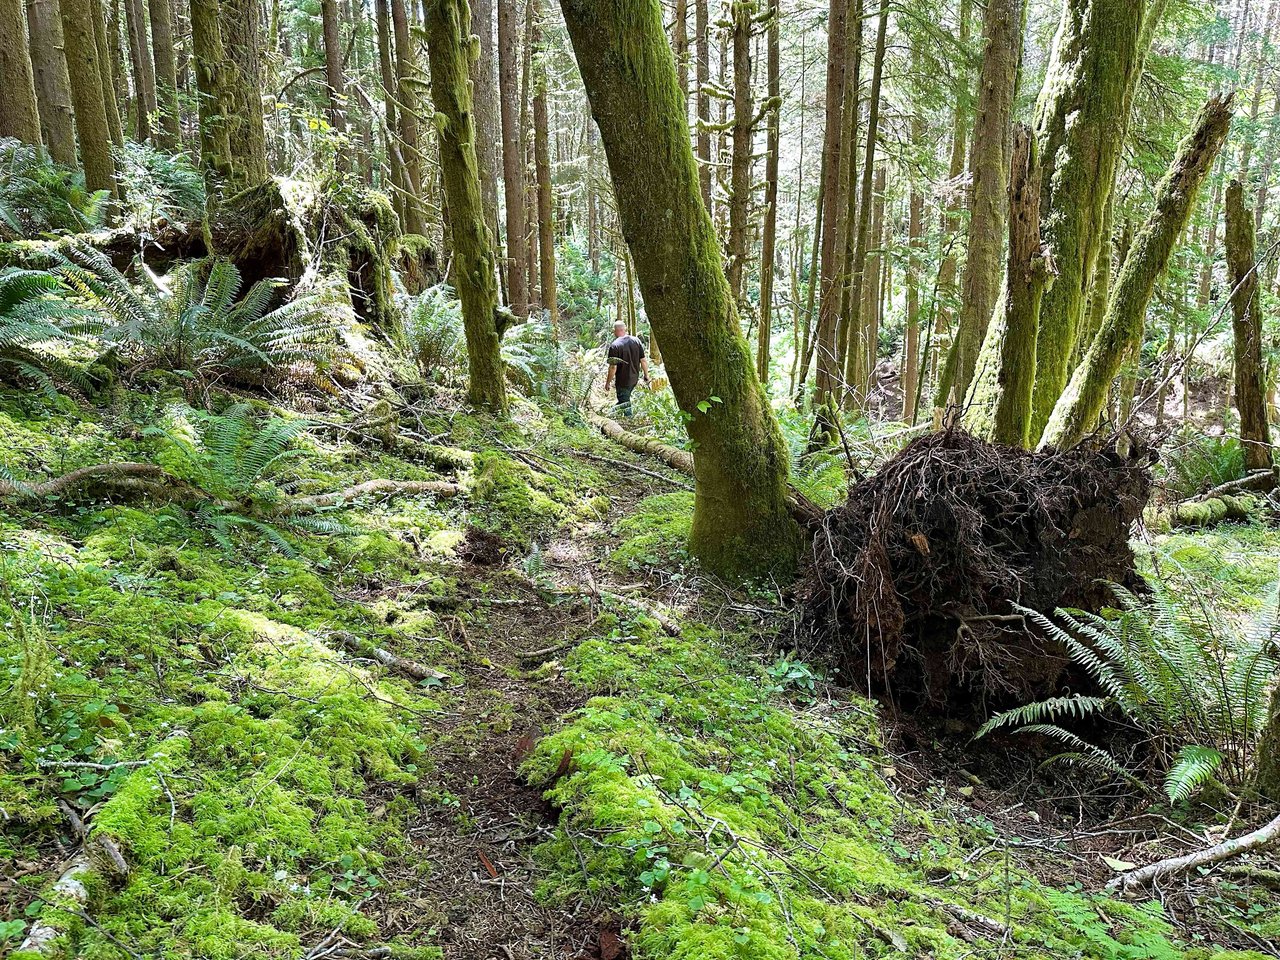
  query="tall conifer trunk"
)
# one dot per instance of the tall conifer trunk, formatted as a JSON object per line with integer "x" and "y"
{"x": 88, "y": 93}
{"x": 448, "y": 31}
{"x": 512, "y": 157}
{"x": 19, "y": 115}
{"x": 407, "y": 115}
{"x": 702, "y": 42}
{"x": 742, "y": 13}
{"x": 542, "y": 169}
{"x": 773, "y": 136}
{"x": 162, "y": 48}
{"x": 333, "y": 77}
{"x": 52, "y": 86}
{"x": 741, "y": 522}
{"x": 1246, "y": 328}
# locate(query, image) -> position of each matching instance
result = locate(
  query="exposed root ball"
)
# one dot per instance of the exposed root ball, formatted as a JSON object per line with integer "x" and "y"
{"x": 914, "y": 576}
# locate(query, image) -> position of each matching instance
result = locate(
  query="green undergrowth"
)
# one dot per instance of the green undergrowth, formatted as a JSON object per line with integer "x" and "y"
{"x": 655, "y": 535}
{"x": 738, "y": 815}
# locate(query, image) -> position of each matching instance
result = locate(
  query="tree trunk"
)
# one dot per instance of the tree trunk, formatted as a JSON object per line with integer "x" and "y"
{"x": 1077, "y": 410}
{"x": 741, "y": 523}
{"x": 856, "y": 319}
{"x": 448, "y": 31}
{"x": 111, "y": 67}
{"x": 1268, "y": 752}
{"x": 989, "y": 169}
{"x": 144, "y": 78}
{"x": 1246, "y": 328}
{"x": 832, "y": 201}
{"x": 52, "y": 86}
{"x": 773, "y": 136}
{"x": 911, "y": 336}
{"x": 702, "y": 41}
{"x": 395, "y": 151}
{"x": 528, "y": 160}
{"x": 1005, "y": 416}
{"x": 19, "y": 114}
{"x": 512, "y": 158}
{"x": 335, "y": 87}
{"x": 407, "y": 114}
{"x": 87, "y": 93}
{"x": 1081, "y": 121}
{"x": 484, "y": 92}
{"x": 542, "y": 169}
{"x": 742, "y": 13}
{"x": 166, "y": 78}
{"x": 680, "y": 42}
{"x": 242, "y": 40}
{"x": 209, "y": 56}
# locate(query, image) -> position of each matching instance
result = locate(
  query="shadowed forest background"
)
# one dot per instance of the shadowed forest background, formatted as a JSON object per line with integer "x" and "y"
{"x": 923, "y": 601}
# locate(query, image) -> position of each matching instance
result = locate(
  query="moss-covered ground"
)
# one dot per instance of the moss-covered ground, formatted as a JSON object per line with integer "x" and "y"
{"x": 572, "y": 773}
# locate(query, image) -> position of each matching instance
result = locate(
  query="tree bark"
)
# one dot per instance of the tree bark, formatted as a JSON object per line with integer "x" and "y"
{"x": 856, "y": 319}
{"x": 989, "y": 169}
{"x": 1246, "y": 329}
{"x": 166, "y": 78}
{"x": 407, "y": 114}
{"x": 335, "y": 87}
{"x": 1077, "y": 410}
{"x": 387, "y": 72}
{"x": 702, "y": 29}
{"x": 512, "y": 157}
{"x": 741, "y": 523}
{"x": 209, "y": 57}
{"x": 19, "y": 115}
{"x": 484, "y": 92}
{"x": 448, "y": 31}
{"x": 144, "y": 78}
{"x": 52, "y": 85}
{"x": 542, "y": 169}
{"x": 680, "y": 42}
{"x": 1081, "y": 120}
{"x": 242, "y": 40}
{"x": 911, "y": 335}
{"x": 742, "y": 13}
{"x": 111, "y": 66}
{"x": 87, "y": 93}
{"x": 773, "y": 138}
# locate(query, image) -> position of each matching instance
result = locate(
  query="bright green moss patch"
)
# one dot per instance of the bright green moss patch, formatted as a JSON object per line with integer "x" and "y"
{"x": 735, "y": 816}
{"x": 513, "y": 501}
{"x": 655, "y": 534}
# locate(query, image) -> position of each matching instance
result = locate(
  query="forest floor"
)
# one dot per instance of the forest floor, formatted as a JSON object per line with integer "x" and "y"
{"x": 611, "y": 754}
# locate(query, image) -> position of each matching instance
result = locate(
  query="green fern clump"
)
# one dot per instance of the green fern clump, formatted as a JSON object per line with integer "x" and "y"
{"x": 194, "y": 322}
{"x": 39, "y": 197}
{"x": 1196, "y": 462}
{"x": 32, "y": 317}
{"x": 1190, "y": 681}
{"x": 158, "y": 185}
{"x": 433, "y": 333}
{"x": 235, "y": 458}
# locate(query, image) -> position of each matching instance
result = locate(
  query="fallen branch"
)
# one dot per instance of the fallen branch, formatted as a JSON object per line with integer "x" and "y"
{"x": 1136, "y": 880}
{"x": 135, "y": 478}
{"x": 365, "y": 648}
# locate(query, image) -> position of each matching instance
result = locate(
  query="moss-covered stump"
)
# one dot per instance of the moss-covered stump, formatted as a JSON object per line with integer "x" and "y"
{"x": 288, "y": 229}
{"x": 162, "y": 245}
{"x": 418, "y": 263}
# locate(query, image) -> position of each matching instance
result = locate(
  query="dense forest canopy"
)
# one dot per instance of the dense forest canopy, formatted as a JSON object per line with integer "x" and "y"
{"x": 657, "y": 478}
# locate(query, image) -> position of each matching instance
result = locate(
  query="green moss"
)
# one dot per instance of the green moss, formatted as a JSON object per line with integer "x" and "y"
{"x": 512, "y": 501}
{"x": 655, "y": 535}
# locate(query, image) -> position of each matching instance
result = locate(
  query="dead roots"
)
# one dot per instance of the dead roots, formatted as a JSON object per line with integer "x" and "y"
{"x": 914, "y": 578}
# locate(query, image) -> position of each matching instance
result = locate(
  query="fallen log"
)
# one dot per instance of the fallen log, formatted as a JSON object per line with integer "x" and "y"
{"x": 379, "y": 489}
{"x": 1135, "y": 880}
{"x": 366, "y": 648}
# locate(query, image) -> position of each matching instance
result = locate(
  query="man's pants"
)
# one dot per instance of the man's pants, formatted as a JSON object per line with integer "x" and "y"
{"x": 624, "y": 399}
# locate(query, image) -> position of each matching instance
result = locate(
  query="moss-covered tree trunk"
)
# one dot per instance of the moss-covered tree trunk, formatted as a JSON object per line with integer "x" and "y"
{"x": 1246, "y": 329}
{"x": 449, "y": 52}
{"x": 513, "y": 157}
{"x": 989, "y": 169}
{"x": 1081, "y": 120}
{"x": 387, "y": 74}
{"x": 242, "y": 37}
{"x": 335, "y": 87}
{"x": 19, "y": 114}
{"x": 53, "y": 88}
{"x": 87, "y": 93}
{"x": 1080, "y": 405}
{"x": 162, "y": 48}
{"x": 209, "y": 56}
{"x": 741, "y": 523}
{"x": 1004, "y": 413}
{"x": 144, "y": 80}
{"x": 702, "y": 45}
{"x": 484, "y": 94}
{"x": 106, "y": 32}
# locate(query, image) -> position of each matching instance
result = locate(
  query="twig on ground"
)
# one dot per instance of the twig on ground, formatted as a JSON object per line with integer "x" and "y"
{"x": 1135, "y": 880}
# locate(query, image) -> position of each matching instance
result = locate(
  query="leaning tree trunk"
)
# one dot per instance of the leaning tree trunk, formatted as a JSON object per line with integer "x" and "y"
{"x": 448, "y": 49}
{"x": 512, "y": 158}
{"x": 1079, "y": 407}
{"x": 87, "y": 93}
{"x": 1081, "y": 121}
{"x": 1246, "y": 328}
{"x": 19, "y": 114}
{"x": 989, "y": 169}
{"x": 162, "y": 48}
{"x": 741, "y": 523}
{"x": 53, "y": 88}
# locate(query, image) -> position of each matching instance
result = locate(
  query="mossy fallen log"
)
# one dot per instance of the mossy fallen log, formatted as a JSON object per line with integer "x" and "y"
{"x": 1212, "y": 510}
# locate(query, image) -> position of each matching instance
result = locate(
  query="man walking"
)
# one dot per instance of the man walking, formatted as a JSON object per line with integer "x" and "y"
{"x": 626, "y": 363}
